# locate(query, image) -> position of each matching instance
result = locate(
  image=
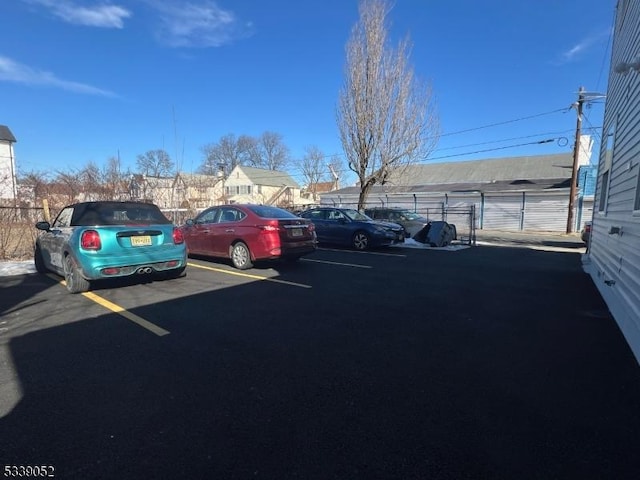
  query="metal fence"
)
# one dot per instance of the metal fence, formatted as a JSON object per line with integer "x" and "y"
{"x": 463, "y": 217}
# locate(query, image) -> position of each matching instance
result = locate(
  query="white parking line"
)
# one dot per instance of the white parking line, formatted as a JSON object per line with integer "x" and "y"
{"x": 366, "y": 252}
{"x": 336, "y": 263}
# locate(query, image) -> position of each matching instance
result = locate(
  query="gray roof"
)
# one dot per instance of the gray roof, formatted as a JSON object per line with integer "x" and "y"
{"x": 509, "y": 174}
{"x": 508, "y": 169}
{"x": 272, "y": 178}
{"x": 6, "y": 135}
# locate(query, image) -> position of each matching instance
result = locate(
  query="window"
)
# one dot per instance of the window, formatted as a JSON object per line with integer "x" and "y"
{"x": 606, "y": 156}
{"x": 636, "y": 202}
{"x": 64, "y": 218}
{"x": 604, "y": 191}
{"x": 208, "y": 216}
{"x": 231, "y": 215}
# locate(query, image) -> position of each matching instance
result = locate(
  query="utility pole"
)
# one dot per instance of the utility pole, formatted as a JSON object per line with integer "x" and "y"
{"x": 576, "y": 155}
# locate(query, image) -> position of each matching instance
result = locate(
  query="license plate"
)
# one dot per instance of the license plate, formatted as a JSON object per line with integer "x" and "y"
{"x": 141, "y": 241}
{"x": 296, "y": 232}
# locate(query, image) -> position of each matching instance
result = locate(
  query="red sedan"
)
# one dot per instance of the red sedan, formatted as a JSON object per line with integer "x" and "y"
{"x": 247, "y": 233}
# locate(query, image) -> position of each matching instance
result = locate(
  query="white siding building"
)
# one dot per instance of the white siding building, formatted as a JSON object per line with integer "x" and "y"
{"x": 256, "y": 185}
{"x": 512, "y": 193}
{"x": 8, "y": 182}
{"x": 613, "y": 258}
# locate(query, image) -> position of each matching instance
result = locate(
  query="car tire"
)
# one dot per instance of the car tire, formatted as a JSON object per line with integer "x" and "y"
{"x": 76, "y": 283}
{"x": 360, "y": 241}
{"x": 39, "y": 261}
{"x": 241, "y": 256}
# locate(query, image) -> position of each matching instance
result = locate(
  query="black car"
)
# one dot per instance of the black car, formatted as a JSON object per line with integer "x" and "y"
{"x": 411, "y": 221}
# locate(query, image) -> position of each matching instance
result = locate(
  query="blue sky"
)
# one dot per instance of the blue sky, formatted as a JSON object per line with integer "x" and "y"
{"x": 85, "y": 80}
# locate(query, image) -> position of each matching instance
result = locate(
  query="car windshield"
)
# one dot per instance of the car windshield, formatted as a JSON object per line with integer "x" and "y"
{"x": 117, "y": 213}
{"x": 411, "y": 216}
{"x": 266, "y": 211}
{"x": 356, "y": 215}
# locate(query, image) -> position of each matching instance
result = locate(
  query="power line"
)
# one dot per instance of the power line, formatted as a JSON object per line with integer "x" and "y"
{"x": 503, "y": 140}
{"x": 549, "y": 140}
{"x": 606, "y": 51}
{"x": 504, "y": 123}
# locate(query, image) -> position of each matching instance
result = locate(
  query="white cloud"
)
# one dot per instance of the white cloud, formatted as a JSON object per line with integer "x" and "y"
{"x": 583, "y": 46}
{"x": 11, "y": 71}
{"x": 202, "y": 24}
{"x": 104, "y": 15}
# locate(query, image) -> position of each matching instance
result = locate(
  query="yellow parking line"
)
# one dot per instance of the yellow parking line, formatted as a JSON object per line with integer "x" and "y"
{"x": 249, "y": 275}
{"x": 120, "y": 311}
{"x": 336, "y": 263}
{"x": 126, "y": 314}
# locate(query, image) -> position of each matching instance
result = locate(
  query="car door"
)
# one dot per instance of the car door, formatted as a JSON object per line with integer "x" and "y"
{"x": 338, "y": 227}
{"x": 227, "y": 228}
{"x": 319, "y": 218}
{"x": 53, "y": 242}
{"x": 197, "y": 234}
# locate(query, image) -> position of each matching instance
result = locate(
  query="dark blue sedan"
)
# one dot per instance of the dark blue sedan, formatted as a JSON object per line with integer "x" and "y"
{"x": 346, "y": 226}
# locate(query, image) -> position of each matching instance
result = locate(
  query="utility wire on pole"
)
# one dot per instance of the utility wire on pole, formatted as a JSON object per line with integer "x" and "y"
{"x": 576, "y": 155}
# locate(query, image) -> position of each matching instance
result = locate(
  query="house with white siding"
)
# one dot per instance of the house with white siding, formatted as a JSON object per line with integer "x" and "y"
{"x": 8, "y": 183}
{"x": 613, "y": 256}
{"x": 510, "y": 193}
{"x": 257, "y": 185}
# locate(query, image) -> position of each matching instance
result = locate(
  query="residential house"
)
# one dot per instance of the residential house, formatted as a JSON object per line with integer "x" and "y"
{"x": 313, "y": 191}
{"x": 514, "y": 193}
{"x": 613, "y": 258}
{"x": 257, "y": 185}
{"x": 8, "y": 183}
{"x": 181, "y": 191}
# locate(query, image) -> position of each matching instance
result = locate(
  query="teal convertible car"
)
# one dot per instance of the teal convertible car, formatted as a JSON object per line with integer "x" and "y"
{"x": 97, "y": 240}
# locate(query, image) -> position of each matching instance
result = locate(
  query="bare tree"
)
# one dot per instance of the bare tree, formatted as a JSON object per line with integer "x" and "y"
{"x": 69, "y": 184}
{"x": 313, "y": 167}
{"x": 271, "y": 152}
{"x": 37, "y": 186}
{"x": 155, "y": 163}
{"x": 227, "y": 153}
{"x": 114, "y": 180}
{"x": 90, "y": 178}
{"x": 336, "y": 169}
{"x": 385, "y": 115}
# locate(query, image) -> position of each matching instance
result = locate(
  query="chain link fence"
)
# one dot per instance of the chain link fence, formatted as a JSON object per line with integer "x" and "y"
{"x": 462, "y": 216}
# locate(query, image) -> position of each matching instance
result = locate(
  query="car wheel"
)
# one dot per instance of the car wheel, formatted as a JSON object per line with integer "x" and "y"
{"x": 76, "y": 283}
{"x": 240, "y": 256}
{"x": 360, "y": 241}
{"x": 39, "y": 261}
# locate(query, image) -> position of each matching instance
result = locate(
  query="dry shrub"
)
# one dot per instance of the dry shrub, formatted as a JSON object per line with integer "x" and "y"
{"x": 17, "y": 232}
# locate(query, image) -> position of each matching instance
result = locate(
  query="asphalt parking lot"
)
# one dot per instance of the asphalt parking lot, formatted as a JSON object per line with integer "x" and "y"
{"x": 487, "y": 362}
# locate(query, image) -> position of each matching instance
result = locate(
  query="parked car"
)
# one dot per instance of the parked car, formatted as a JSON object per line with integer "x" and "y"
{"x": 411, "y": 221}
{"x": 345, "y": 226}
{"x": 585, "y": 233}
{"x": 96, "y": 240}
{"x": 248, "y": 233}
